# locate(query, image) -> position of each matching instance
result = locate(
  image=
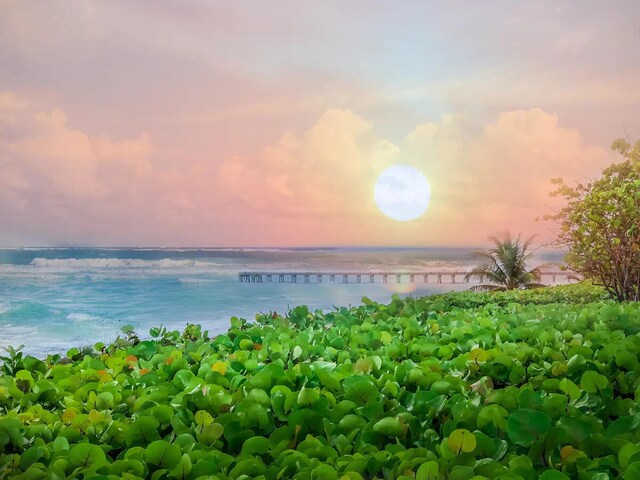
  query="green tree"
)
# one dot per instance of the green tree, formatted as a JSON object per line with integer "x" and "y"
{"x": 600, "y": 225}
{"x": 504, "y": 266}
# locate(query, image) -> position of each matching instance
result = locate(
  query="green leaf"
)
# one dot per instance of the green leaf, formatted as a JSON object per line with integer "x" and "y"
{"x": 210, "y": 433}
{"x": 593, "y": 382}
{"x": 142, "y": 432}
{"x": 461, "y": 440}
{"x": 182, "y": 470}
{"x": 553, "y": 475}
{"x": 525, "y": 426}
{"x": 162, "y": 454}
{"x": 428, "y": 471}
{"x": 308, "y": 396}
{"x": 256, "y": 446}
{"x": 570, "y": 388}
{"x": 203, "y": 418}
{"x": 632, "y": 472}
{"x": 494, "y": 415}
{"x": 360, "y": 390}
{"x": 86, "y": 455}
{"x": 626, "y": 452}
{"x": 390, "y": 426}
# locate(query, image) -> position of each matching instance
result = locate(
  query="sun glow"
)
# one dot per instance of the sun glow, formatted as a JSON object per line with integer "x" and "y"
{"x": 402, "y": 193}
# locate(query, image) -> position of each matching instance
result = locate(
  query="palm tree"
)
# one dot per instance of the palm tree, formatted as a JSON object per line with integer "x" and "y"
{"x": 505, "y": 267}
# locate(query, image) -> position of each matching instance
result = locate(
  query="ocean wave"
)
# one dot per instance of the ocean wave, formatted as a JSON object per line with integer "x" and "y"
{"x": 82, "y": 317}
{"x": 184, "y": 267}
{"x": 119, "y": 263}
{"x": 165, "y": 249}
{"x": 197, "y": 280}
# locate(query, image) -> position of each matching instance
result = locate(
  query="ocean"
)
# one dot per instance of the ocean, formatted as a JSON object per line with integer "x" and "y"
{"x": 52, "y": 299}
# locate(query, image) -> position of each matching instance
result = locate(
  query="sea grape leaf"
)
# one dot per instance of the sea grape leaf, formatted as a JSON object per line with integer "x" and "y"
{"x": 626, "y": 452}
{"x": 162, "y": 454}
{"x": 182, "y": 470}
{"x": 570, "y": 454}
{"x": 553, "y": 475}
{"x": 210, "y": 433}
{"x": 494, "y": 415}
{"x": 256, "y": 446}
{"x": 632, "y": 472}
{"x": 525, "y": 426}
{"x": 220, "y": 367}
{"x": 461, "y": 440}
{"x": 247, "y": 468}
{"x": 361, "y": 391}
{"x": 428, "y": 471}
{"x": 570, "y": 388}
{"x": 30, "y": 456}
{"x": 203, "y": 418}
{"x": 308, "y": 396}
{"x": 86, "y": 455}
{"x": 390, "y": 426}
{"x": 593, "y": 382}
{"x": 142, "y": 432}
{"x": 324, "y": 471}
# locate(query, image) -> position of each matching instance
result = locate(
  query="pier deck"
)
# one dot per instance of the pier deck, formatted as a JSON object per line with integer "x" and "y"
{"x": 375, "y": 277}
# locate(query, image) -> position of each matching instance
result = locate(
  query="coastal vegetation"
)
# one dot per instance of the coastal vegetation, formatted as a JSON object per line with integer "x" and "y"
{"x": 504, "y": 266}
{"x": 515, "y": 385}
{"x": 600, "y": 225}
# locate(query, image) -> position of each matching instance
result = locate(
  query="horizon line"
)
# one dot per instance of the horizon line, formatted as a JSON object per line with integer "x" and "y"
{"x": 299, "y": 247}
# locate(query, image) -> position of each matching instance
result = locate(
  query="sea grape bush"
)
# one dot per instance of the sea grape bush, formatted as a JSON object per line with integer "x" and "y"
{"x": 416, "y": 389}
{"x": 577, "y": 293}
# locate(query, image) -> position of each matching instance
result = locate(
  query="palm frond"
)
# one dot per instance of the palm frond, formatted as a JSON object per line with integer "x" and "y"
{"x": 505, "y": 264}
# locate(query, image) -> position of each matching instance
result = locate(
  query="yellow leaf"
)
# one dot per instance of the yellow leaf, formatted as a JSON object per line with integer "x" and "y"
{"x": 461, "y": 440}
{"x": 68, "y": 415}
{"x": 202, "y": 417}
{"x": 95, "y": 416}
{"x": 478, "y": 355}
{"x": 219, "y": 367}
{"x": 362, "y": 366}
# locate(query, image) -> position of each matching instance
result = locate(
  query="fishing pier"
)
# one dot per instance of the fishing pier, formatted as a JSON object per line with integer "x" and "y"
{"x": 376, "y": 277}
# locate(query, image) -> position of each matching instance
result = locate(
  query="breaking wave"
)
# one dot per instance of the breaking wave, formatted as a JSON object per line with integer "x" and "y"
{"x": 118, "y": 263}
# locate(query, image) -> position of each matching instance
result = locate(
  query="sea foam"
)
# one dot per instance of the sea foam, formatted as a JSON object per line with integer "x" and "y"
{"x": 117, "y": 263}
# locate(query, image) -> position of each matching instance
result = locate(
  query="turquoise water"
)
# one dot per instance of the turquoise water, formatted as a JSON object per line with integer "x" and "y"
{"x": 55, "y": 299}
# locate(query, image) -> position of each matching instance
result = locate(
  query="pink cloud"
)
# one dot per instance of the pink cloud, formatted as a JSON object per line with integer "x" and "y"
{"x": 482, "y": 181}
{"x": 311, "y": 187}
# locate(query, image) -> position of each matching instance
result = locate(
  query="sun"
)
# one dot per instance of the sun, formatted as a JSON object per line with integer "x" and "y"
{"x": 402, "y": 193}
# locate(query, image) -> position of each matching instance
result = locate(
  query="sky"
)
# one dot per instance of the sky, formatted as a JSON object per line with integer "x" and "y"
{"x": 197, "y": 123}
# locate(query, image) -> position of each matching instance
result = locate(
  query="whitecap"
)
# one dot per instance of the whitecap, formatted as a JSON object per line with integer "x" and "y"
{"x": 82, "y": 317}
{"x": 197, "y": 280}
